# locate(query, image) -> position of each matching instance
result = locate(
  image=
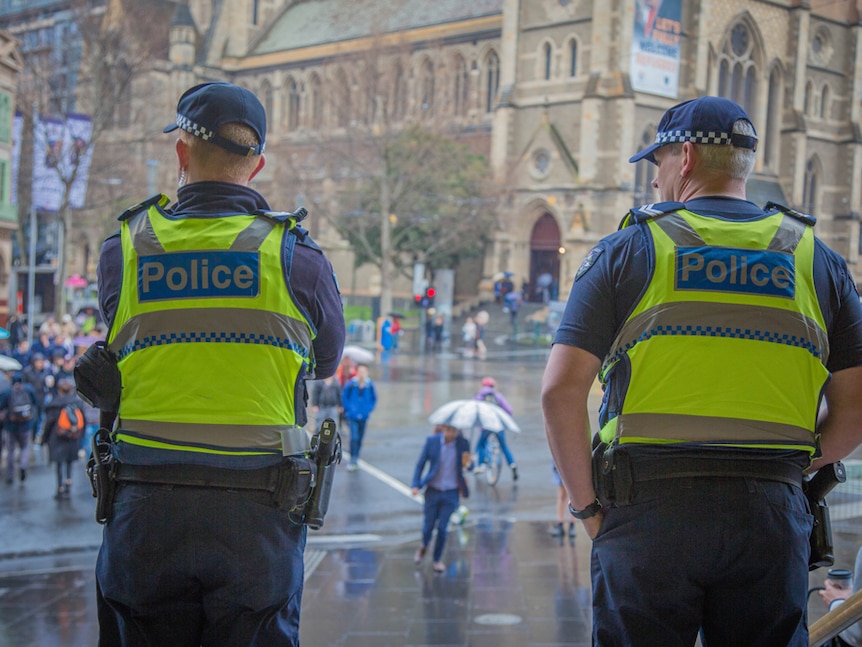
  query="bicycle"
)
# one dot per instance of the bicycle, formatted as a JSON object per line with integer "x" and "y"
{"x": 491, "y": 463}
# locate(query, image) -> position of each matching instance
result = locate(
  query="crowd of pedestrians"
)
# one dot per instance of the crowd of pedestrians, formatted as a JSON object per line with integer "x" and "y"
{"x": 39, "y": 406}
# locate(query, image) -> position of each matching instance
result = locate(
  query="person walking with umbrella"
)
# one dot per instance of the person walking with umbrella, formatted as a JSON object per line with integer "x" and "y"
{"x": 358, "y": 400}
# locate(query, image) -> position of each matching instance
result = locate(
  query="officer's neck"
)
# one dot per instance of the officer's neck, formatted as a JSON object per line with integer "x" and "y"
{"x": 710, "y": 185}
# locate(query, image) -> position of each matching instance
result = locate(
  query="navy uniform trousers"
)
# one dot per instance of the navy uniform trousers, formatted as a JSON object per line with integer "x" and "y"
{"x": 728, "y": 556}
{"x": 198, "y": 567}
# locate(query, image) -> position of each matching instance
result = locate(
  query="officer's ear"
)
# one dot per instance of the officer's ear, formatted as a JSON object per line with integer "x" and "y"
{"x": 260, "y": 164}
{"x": 689, "y": 158}
{"x": 183, "y": 155}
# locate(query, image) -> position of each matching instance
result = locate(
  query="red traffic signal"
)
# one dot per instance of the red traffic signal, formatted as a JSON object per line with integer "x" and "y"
{"x": 430, "y": 293}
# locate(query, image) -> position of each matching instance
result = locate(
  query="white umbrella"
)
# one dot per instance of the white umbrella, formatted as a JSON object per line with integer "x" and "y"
{"x": 358, "y": 354}
{"x": 9, "y": 363}
{"x": 466, "y": 414}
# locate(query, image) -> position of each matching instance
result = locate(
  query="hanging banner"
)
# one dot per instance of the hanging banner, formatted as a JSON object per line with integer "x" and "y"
{"x": 61, "y": 151}
{"x": 655, "y": 47}
{"x": 17, "y": 131}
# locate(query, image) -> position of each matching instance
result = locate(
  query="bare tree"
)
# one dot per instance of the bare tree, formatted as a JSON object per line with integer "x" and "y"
{"x": 407, "y": 191}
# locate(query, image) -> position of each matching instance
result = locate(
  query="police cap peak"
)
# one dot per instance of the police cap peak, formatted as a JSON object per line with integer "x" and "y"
{"x": 204, "y": 108}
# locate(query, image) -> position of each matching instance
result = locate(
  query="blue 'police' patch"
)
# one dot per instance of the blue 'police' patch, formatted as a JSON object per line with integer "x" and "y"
{"x": 589, "y": 261}
{"x": 196, "y": 275}
{"x": 742, "y": 271}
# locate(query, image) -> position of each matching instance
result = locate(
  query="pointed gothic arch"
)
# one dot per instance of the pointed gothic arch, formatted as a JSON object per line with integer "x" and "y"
{"x": 740, "y": 62}
{"x": 545, "y": 243}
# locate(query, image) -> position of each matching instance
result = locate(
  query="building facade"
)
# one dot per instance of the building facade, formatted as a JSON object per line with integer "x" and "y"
{"x": 558, "y": 94}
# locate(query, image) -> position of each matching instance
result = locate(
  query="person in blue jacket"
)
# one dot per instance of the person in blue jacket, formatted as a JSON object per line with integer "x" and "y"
{"x": 447, "y": 453}
{"x": 358, "y": 400}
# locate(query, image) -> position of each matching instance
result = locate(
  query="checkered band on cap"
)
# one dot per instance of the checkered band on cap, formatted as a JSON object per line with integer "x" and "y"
{"x": 195, "y": 129}
{"x": 696, "y": 136}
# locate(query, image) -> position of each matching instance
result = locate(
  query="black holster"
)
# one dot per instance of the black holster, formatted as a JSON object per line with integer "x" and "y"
{"x": 101, "y": 470}
{"x": 326, "y": 453}
{"x": 612, "y": 473}
{"x": 816, "y": 488}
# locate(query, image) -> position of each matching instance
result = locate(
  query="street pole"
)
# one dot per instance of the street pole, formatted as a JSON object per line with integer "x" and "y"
{"x": 31, "y": 274}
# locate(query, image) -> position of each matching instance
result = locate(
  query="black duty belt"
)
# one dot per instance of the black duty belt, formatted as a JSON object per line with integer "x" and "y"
{"x": 653, "y": 469}
{"x": 286, "y": 485}
{"x": 266, "y": 478}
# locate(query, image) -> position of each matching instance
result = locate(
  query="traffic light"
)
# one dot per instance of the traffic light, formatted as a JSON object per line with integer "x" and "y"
{"x": 425, "y": 300}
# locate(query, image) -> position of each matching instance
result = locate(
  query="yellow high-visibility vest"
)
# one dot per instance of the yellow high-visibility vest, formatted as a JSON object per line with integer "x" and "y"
{"x": 727, "y": 345}
{"x": 211, "y": 345}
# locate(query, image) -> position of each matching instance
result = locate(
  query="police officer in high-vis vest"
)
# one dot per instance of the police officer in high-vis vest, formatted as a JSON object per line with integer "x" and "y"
{"x": 717, "y": 329}
{"x": 219, "y": 310}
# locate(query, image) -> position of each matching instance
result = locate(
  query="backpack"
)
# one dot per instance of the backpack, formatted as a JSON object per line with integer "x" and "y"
{"x": 20, "y": 404}
{"x": 70, "y": 423}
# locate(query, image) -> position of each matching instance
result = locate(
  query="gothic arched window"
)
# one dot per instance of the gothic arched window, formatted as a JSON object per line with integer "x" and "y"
{"x": 810, "y": 186}
{"x": 316, "y": 102}
{"x": 426, "y": 87}
{"x": 573, "y": 57}
{"x": 773, "y": 119}
{"x": 293, "y": 104}
{"x": 492, "y": 80}
{"x": 737, "y": 71}
{"x": 342, "y": 99}
{"x": 461, "y": 88}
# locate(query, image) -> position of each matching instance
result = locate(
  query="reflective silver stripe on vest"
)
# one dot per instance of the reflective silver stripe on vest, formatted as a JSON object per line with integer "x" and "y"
{"x": 251, "y": 238}
{"x": 705, "y": 319}
{"x": 680, "y": 231}
{"x": 193, "y": 325}
{"x": 230, "y": 438}
{"x": 787, "y": 237}
{"x": 143, "y": 235}
{"x": 146, "y": 243}
{"x": 705, "y": 429}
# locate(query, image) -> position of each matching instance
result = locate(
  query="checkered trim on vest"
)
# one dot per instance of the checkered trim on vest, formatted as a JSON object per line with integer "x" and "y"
{"x": 696, "y": 136}
{"x": 211, "y": 337}
{"x": 719, "y": 331}
{"x": 195, "y": 129}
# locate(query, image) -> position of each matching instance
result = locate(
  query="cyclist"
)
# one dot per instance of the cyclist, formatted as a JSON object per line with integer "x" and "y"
{"x": 489, "y": 393}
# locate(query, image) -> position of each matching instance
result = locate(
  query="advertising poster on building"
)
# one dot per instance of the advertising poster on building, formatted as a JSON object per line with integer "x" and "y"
{"x": 61, "y": 151}
{"x": 655, "y": 47}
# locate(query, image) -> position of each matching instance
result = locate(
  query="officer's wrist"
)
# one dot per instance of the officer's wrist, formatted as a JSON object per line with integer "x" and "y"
{"x": 587, "y": 512}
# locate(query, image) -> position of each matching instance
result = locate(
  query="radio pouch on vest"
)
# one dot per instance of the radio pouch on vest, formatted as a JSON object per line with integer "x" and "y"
{"x": 98, "y": 379}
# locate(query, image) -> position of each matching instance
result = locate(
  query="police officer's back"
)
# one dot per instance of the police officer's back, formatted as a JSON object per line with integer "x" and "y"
{"x": 219, "y": 308}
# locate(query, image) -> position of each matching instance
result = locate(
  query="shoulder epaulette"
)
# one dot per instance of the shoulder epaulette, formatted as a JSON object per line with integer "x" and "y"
{"x": 159, "y": 199}
{"x": 649, "y": 211}
{"x": 283, "y": 216}
{"x": 804, "y": 217}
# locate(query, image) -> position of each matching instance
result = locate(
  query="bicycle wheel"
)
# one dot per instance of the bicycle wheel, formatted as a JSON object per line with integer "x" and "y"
{"x": 495, "y": 460}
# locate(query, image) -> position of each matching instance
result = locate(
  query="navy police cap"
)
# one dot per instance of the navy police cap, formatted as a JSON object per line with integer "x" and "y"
{"x": 205, "y": 107}
{"x": 706, "y": 120}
